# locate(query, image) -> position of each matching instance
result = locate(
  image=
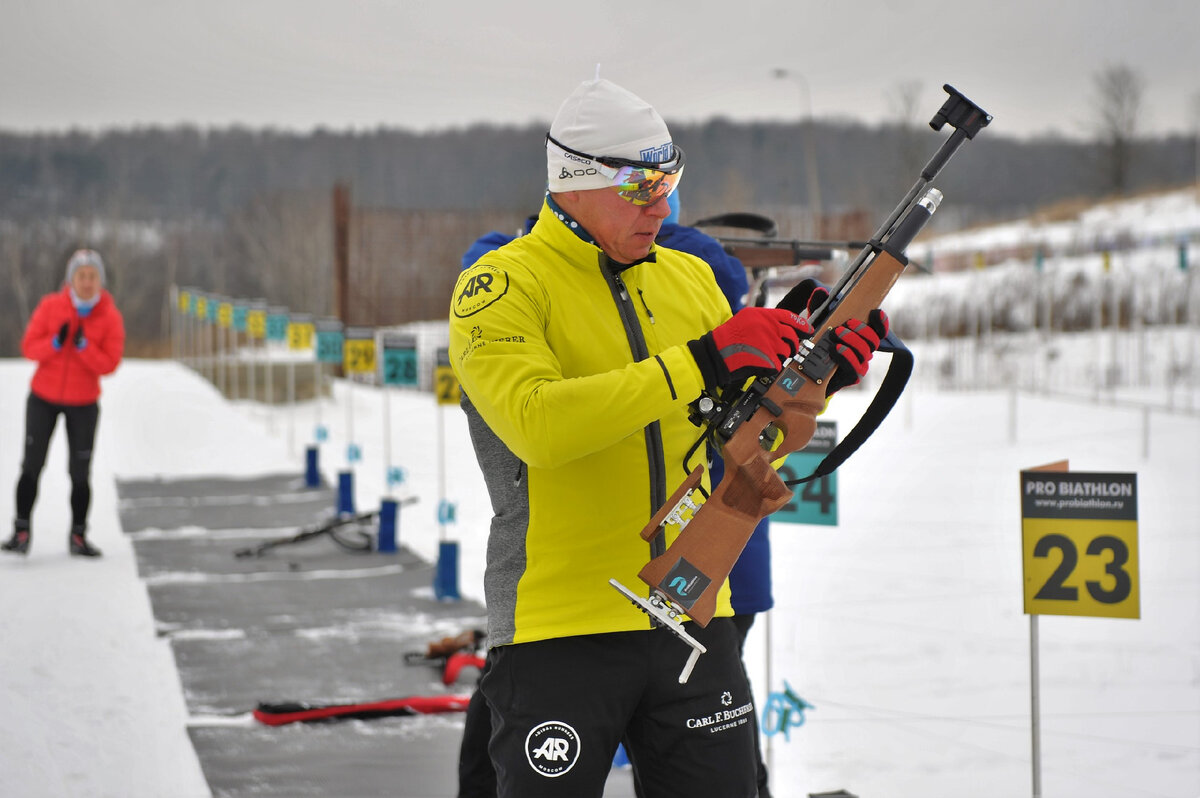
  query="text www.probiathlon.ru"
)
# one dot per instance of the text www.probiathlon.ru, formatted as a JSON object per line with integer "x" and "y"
{"x": 1089, "y": 504}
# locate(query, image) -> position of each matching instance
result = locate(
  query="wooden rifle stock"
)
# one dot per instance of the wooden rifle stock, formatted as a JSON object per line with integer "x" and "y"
{"x": 777, "y": 416}
{"x": 693, "y": 568}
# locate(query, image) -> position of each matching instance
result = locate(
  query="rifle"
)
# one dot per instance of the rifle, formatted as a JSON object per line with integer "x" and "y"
{"x": 762, "y": 256}
{"x": 768, "y": 251}
{"x": 334, "y": 527}
{"x": 774, "y": 416}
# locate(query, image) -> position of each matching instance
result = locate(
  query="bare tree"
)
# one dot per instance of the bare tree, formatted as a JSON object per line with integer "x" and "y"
{"x": 1118, "y": 102}
{"x": 284, "y": 241}
{"x": 904, "y": 102}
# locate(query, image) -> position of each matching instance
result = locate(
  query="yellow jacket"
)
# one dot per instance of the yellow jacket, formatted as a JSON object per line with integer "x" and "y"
{"x": 576, "y": 382}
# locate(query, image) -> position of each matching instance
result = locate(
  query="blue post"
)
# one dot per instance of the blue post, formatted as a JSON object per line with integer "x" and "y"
{"x": 387, "y": 526}
{"x": 312, "y": 471}
{"x": 445, "y": 578}
{"x": 345, "y": 501}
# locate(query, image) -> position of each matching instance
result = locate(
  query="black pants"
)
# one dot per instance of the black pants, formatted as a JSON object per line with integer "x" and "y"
{"x": 743, "y": 623}
{"x": 40, "y": 418}
{"x": 476, "y": 775}
{"x": 560, "y": 707}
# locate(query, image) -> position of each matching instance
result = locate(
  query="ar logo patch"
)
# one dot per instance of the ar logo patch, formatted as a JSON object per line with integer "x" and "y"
{"x": 477, "y": 288}
{"x": 552, "y": 748}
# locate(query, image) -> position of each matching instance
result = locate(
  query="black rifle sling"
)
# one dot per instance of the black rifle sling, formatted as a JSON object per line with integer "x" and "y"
{"x": 899, "y": 370}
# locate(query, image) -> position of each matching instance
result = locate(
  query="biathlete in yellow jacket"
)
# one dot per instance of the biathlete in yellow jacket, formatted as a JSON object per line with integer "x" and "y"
{"x": 578, "y": 348}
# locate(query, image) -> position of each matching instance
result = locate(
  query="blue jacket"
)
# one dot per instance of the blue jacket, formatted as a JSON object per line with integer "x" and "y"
{"x": 750, "y": 579}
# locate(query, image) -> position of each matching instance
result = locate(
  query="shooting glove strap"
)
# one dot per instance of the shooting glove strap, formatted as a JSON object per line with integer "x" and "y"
{"x": 894, "y": 380}
{"x": 712, "y": 367}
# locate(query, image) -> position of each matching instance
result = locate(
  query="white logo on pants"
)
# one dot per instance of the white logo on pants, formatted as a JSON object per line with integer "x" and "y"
{"x": 552, "y": 748}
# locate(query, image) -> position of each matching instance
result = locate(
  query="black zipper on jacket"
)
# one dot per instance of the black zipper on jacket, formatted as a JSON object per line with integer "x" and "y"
{"x": 653, "y": 433}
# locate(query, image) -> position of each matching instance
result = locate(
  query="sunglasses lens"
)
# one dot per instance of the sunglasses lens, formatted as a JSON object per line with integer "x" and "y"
{"x": 643, "y": 186}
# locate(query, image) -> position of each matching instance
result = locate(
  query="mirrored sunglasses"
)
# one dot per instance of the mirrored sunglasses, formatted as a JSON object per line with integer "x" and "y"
{"x": 637, "y": 182}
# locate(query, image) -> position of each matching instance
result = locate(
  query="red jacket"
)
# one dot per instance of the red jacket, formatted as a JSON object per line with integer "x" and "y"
{"x": 69, "y": 376}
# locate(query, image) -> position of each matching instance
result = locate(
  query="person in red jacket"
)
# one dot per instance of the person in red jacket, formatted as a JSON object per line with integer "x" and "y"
{"x": 76, "y": 336}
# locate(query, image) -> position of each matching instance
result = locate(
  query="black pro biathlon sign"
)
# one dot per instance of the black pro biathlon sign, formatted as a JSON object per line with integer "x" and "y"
{"x": 1079, "y": 543}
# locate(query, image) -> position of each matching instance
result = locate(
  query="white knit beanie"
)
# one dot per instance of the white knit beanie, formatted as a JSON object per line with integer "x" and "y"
{"x": 601, "y": 118}
{"x": 85, "y": 257}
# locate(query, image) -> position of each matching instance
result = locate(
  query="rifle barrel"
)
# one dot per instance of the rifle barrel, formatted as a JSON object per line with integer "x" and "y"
{"x": 882, "y": 236}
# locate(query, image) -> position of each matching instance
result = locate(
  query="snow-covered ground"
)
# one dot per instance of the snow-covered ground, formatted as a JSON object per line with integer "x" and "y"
{"x": 903, "y": 625}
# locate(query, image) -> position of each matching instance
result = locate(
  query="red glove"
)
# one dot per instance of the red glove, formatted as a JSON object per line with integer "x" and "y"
{"x": 754, "y": 343}
{"x": 853, "y": 342}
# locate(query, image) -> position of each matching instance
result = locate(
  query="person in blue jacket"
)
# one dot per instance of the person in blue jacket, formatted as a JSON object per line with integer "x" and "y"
{"x": 750, "y": 578}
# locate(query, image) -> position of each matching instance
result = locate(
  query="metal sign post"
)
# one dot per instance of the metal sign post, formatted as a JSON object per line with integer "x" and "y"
{"x": 276, "y": 331}
{"x": 198, "y": 340}
{"x": 814, "y": 502}
{"x": 299, "y": 338}
{"x": 224, "y": 324}
{"x": 1079, "y": 557}
{"x": 358, "y": 360}
{"x": 210, "y": 327}
{"x": 398, "y": 367}
{"x": 448, "y": 392}
{"x": 186, "y": 311}
{"x": 256, "y": 331}
{"x": 328, "y": 349}
{"x": 174, "y": 319}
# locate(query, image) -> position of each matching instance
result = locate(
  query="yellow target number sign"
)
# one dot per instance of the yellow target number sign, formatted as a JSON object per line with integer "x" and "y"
{"x": 1079, "y": 544}
{"x": 300, "y": 331}
{"x": 358, "y": 351}
{"x": 256, "y": 323}
{"x": 445, "y": 383}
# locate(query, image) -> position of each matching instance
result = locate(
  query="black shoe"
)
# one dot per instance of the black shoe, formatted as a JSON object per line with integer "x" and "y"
{"x": 19, "y": 542}
{"x": 79, "y": 544}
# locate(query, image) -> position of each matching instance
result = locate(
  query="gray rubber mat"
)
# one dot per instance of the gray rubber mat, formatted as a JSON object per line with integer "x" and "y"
{"x": 222, "y": 503}
{"x": 311, "y": 621}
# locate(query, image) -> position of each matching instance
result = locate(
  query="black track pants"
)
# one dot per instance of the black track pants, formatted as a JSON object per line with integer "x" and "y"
{"x": 743, "y": 622}
{"x": 560, "y": 707}
{"x": 40, "y": 418}
{"x": 476, "y": 776}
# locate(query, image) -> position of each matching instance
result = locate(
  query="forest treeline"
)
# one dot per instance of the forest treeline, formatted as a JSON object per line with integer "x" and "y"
{"x": 247, "y": 212}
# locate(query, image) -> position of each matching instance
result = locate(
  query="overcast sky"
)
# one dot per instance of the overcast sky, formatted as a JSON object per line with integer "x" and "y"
{"x": 434, "y": 64}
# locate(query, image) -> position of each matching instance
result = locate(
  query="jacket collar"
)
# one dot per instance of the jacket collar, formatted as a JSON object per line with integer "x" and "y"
{"x": 104, "y": 300}
{"x": 563, "y": 232}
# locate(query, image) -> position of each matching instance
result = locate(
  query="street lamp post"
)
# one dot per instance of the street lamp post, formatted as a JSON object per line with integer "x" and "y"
{"x": 810, "y": 152}
{"x": 1196, "y": 120}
